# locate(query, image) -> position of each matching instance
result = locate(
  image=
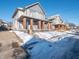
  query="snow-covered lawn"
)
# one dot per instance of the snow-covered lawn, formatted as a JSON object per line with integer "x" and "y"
{"x": 53, "y": 35}
{"x": 49, "y": 36}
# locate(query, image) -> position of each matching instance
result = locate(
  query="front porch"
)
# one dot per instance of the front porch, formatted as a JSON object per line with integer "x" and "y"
{"x": 32, "y": 24}
{"x": 60, "y": 27}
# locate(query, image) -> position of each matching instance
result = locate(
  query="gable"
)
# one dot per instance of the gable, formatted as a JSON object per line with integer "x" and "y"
{"x": 17, "y": 11}
{"x": 17, "y": 14}
{"x": 34, "y": 11}
{"x": 36, "y": 7}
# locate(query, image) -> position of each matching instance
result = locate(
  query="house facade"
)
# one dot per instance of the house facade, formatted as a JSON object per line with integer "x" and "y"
{"x": 31, "y": 18}
{"x": 4, "y": 25}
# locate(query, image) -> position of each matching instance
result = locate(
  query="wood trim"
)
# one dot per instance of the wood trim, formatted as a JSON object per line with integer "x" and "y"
{"x": 48, "y": 26}
{"x": 31, "y": 27}
{"x": 24, "y": 23}
{"x": 39, "y": 24}
{"x": 51, "y": 26}
{"x": 31, "y": 24}
{"x": 43, "y": 25}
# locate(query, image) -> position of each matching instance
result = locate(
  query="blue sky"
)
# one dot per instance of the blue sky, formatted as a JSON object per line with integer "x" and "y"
{"x": 68, "y": 9}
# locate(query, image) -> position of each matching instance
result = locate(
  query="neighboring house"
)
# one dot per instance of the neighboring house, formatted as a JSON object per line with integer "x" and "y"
{"x": 57, "y": 23}
{"x": 1, "y": 22}
{"x": 31, "y": 17}
{"x": 3, "y": 25}
{"x": 71, "y": 26}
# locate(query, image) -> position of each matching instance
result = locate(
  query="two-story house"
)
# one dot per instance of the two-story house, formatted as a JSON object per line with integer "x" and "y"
{"x": 31, "y": 17}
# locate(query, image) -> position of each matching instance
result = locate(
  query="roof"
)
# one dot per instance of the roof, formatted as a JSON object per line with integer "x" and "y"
{"x": 51, "y": 17}
{"x": 37, "y": 3}
{"x": 29, "y": 6}
{"x": 21, "y": 9}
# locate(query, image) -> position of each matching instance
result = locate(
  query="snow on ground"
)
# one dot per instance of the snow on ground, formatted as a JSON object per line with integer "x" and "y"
{"x": 24, "y": 36}
{"x": 47, "y": 35}
{"x": 50, "y": 36}
{"x": 38, "y": 48}
{"x": 53, "y": 35}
